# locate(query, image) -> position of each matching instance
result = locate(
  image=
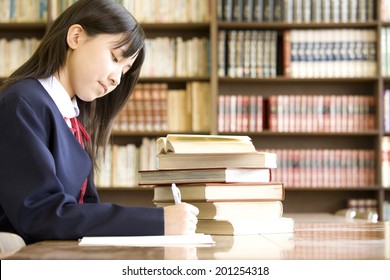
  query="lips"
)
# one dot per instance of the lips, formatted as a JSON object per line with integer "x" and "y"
{"x": 104, "y": 87}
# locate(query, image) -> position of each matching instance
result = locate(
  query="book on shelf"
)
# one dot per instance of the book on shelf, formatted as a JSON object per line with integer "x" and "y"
{"x": 225, "y": 210}
{"x": 325, "y": 113}
{"x": 385, "y": 162}
{"x": 330, "y": 53}
{"x": 240, "y": 113}
{"x": 209, "y": 160}
{"x": 193, "y": 144}
{"x": 248, "y": 53}
{"x": 298, "y": 11}
{"x": 212, "y": 192}
{"x": 245, "y": 227}
{"x": 329, "y": 168}
{"x": 207, "y": 175}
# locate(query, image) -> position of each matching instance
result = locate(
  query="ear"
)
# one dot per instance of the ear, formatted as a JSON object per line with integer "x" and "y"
{"x": 75, "y": 33}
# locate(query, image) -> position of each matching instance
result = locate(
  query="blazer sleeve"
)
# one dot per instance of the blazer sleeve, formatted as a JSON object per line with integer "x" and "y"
{"x": 33, "y": 198}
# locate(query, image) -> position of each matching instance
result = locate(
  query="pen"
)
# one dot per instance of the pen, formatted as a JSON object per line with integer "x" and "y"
{"x": 176, "y": 194}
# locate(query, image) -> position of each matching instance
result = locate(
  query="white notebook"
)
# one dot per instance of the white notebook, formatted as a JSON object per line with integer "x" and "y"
{"x": 148, "y": 241}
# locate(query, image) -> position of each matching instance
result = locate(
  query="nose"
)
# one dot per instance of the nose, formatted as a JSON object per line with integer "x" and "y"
{"x": 115, "y": 77}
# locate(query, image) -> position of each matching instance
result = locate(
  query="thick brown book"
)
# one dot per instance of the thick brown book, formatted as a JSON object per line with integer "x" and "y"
{"x": 217, "y": 160}
{"x": 208, "y": 175}
{"x": 245, "y": 227}
{"x": 236, "y": 209}
{"x": 211, "y": 192}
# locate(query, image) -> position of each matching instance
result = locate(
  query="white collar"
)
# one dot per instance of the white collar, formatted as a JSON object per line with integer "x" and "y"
{"x": 68, "y": 107}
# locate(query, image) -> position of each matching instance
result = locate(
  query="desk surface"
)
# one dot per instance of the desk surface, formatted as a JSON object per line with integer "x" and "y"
{"x": 315, "y": 237}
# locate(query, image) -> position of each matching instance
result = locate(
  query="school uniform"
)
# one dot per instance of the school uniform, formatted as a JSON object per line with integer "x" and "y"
{"x": 42, "y": 167}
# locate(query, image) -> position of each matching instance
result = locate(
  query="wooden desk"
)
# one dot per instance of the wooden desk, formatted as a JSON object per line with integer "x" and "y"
{"x": 315, "y": 237}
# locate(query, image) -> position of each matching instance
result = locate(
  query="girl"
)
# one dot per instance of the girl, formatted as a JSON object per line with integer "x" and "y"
{"x": 87, "y": 66}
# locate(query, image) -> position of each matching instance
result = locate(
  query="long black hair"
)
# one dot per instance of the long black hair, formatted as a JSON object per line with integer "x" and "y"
{"x": 96, "y": 17}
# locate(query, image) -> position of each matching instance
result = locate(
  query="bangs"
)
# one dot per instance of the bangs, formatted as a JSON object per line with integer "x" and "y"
{"x": 131, "y": 42}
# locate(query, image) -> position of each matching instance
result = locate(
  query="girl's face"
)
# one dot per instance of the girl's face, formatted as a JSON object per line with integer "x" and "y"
{"x": 94, "y": 66}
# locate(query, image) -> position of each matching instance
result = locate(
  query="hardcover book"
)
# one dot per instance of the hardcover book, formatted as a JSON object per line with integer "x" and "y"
{"x": 217, "y": 160}
{"x": 226, "y": 175}
{"x": 236, "y": 209}
{"x": 211, "y": 192}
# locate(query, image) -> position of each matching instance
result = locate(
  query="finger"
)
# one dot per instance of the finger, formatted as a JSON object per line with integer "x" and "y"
{"x": 191, "y": 208}
{"x": 194, "y": 219}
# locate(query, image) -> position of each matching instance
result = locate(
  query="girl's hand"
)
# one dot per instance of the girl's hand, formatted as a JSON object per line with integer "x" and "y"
{"x": 180, "y": 219}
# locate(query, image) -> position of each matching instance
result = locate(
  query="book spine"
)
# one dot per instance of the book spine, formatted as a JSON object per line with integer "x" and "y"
{"x": 328, "y": 168}
{"x": 386, "y": 162}
{"x": 238, "y": 10}
{"x": 231, "y": 66}
{"x": 228, "y": 10}
{"x": 268, "y": 13}
{"x": 222, "y": 53}
{"x": 287, "y": 53}
{"x": 258, "y": 9}
{"x": 248, "y": 10}
{"x": 288, "y": 11}
{"x": 221, "y": 113}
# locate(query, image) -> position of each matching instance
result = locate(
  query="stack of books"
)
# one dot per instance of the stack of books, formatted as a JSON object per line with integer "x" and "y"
{"x": 226, "y": 178}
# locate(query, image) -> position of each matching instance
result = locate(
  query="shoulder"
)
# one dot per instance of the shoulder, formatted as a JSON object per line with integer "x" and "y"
{"x": 27, "y": 91}
{"x": 22, "y": 88}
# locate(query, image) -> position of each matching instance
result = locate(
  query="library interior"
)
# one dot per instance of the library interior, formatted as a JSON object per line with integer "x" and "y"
{"x": 284, "y": 104}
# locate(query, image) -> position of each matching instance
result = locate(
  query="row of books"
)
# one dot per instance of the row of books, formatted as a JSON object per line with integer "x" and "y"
{"x": 386, "y": 161}
{"x": 59, "y": 6}
{"x": 177, "y": 57}
{"x": 155, "y": 107}
{"x": 232, "y": 199}
{"x": 296, "y": 11}
{"x": 23, "y": 11}
{"x": 21, "y": 50}
{"x": 146, "y": 11}
{"x": 119, "y": 164}
{"x": 313, "y": 168}
{"x": 247, "y": 53}
{"x": 296, "y": 113}
{"x": 362, "y": 205}
{"x": 328, "y": 113}
{"x": 240, "y": 113}
{"x": 346, "y": 53}
{"x": 329, "y": 53}
{"x": 168, "y": 11}
{"x": 308, "y": 53}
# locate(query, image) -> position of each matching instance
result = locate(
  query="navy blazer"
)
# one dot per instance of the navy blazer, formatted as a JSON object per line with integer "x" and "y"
{"x": 42, "y": 167}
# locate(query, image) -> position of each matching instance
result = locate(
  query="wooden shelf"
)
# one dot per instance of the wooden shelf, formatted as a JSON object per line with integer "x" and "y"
{"x": 184, "y": 26}
{"x": 23, "y": 26}
{"x": 281, "y": 79}
{"x": 173, "y": 79}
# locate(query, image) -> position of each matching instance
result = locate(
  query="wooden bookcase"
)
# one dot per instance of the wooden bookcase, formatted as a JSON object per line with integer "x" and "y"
{"x": 298, "y": 199}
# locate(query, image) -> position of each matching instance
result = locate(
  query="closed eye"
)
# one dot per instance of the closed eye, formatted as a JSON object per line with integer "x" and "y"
{"x": 116, "y": 60}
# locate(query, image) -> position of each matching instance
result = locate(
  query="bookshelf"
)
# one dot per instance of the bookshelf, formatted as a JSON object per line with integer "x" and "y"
{"x": 274, "y": 83}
